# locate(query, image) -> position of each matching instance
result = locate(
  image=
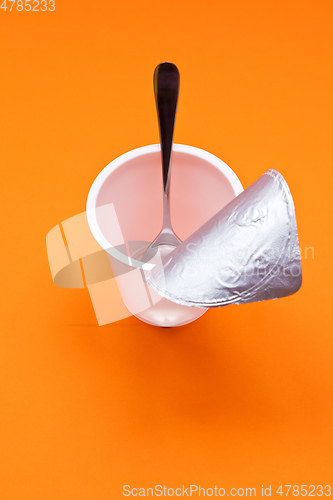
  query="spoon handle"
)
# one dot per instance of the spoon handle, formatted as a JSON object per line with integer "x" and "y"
{"x": 166, "y": 89}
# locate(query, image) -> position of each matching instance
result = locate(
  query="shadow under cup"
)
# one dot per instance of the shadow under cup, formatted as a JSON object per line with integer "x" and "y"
{"x": 124, "y": 211}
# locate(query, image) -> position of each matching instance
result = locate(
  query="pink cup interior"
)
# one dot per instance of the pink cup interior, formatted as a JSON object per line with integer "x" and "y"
{"x": 198, "y": 190}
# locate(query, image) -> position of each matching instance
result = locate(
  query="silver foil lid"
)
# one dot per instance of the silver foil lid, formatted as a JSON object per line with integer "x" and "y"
{"x": 247, "y": 252}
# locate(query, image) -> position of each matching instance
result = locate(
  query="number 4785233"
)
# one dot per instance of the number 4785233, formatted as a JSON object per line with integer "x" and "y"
{"x": 28, "y": 5}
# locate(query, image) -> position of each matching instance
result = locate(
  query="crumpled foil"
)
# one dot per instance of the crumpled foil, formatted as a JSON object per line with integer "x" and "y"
{"x": 247, "y": 252}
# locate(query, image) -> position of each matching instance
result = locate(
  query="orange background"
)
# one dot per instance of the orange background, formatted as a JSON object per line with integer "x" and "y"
{"x": 240, "y": 398}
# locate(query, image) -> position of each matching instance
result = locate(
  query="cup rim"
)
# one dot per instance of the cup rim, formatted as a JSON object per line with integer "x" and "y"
{"x": 136, "y": 153}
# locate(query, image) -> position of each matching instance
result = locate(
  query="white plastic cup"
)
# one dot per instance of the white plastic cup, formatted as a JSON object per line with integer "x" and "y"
{"x": 124, "y": 211}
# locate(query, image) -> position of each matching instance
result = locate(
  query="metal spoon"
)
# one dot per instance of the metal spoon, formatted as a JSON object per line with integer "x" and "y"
{"x": 166, "y": 89}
